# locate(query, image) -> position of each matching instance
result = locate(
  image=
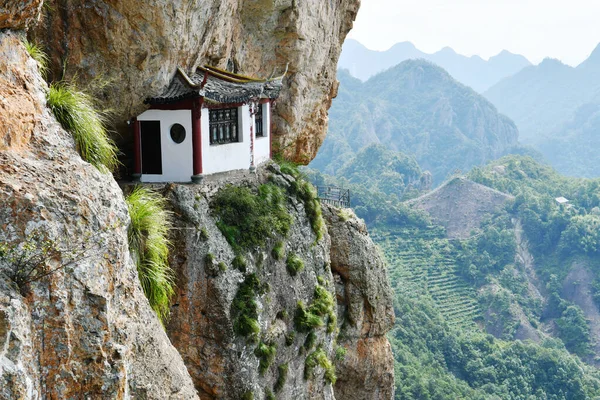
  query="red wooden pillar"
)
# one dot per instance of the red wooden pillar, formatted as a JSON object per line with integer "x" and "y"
{"x": 270, "y": 130}
{"x": 137, "y": 150}
{"x": 197, "y": 139}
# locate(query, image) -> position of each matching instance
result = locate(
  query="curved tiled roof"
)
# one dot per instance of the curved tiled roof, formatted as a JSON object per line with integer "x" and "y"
{"x": 218, "y": 86}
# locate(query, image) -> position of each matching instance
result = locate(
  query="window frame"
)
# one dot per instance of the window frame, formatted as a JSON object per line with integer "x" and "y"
{"x": 259, "y": 120}
{"x": 224, "y": 126}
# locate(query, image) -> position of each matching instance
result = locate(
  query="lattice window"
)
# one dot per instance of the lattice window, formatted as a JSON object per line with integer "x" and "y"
{"x": 258, "y": 121}
{"x": 223, "y": 126}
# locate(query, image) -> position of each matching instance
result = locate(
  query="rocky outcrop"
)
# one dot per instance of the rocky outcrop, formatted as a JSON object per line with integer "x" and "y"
{"x": 365, "y": 302}
{"x": 225, "y": 365}
{"x": 578, "y": 288}
{"x": 79, "y": 326}
{"x": 136, "y": 46}
{"x": 460, "y": 205}
{"x": 222, "y": 363}
{"x": 19, "y": 14}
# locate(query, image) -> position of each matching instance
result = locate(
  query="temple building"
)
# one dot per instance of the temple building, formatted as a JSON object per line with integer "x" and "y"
{"x": 207, "y": 122}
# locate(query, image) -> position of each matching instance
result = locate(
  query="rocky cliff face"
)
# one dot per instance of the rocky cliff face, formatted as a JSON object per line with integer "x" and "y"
{"x": 136, "y": 46}
{"x": 225, "y": 365}
{"x": 73, "y": 319}
{"x": 85, "y": 329}
{"x": 365, "y": 300}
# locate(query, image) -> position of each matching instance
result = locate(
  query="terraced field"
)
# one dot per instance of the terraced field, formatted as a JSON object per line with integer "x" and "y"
{"x": 423, "y": 261}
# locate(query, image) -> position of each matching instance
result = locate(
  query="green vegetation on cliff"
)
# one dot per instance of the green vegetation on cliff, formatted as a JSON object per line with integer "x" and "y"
{"x": 77, "y": 114}
{"x": 248, "y": 219}
{"x": 149, "y": 244}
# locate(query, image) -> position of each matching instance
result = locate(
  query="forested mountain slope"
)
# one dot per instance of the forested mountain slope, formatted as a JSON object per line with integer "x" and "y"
{"x": 472, "y": 71}
{"x": 418, "y": 109}
{"x": 555, "y": 108}
{"x": 506, "y": 310}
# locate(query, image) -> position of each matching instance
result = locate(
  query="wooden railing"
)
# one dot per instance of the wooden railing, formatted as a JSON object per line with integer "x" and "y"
{"x": 334, "y": 195}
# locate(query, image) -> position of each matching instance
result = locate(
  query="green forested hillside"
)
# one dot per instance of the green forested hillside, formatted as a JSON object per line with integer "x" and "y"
{"x": 502, "y": 314}
{"x": 555, "y": 107}
{"x": 379, "y": 179}
{"x": 416, "y": 108}
{"x": 573, "y": 147}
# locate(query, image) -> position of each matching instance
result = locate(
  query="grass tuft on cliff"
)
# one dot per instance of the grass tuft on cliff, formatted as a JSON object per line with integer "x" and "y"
{"x": 304, "y": 190}
{"x": 245, "y": 308}
{"x": 294, "y": 264}
{"x": 36, "y": 52}
{"x": 248, "y": 219}
{"x": 311, "y": 317}
{"x": 76, "y": 113}
{"x": 149, "y": 245}
{"x": 319, "y": 358}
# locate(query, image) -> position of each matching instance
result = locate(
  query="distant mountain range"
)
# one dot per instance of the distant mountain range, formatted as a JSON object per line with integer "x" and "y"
{"x": 471, "y": 71}
{"x": 556, "y": 108}
{"x": 416, "y": 108}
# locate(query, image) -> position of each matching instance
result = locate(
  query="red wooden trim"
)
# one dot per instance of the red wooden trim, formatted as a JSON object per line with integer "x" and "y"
{"x": 197, "y": 135}
{"x": 137, "y": 147}
{"x": 263, "y": 101}
{"x": 186, "y": 104}
{"x": 270, "y": 130}
{"x": 205, "y": 79}
{"x": 251, "y": 141}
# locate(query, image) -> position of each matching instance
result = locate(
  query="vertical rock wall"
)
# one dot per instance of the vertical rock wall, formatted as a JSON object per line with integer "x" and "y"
{"x": 85, "y": 330}
{"x": 365, "y": 305}
{"x": 135, "y": 46}
{"x": 223, "y": 364}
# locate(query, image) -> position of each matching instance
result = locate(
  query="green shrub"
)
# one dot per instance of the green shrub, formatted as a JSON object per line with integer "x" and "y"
{"x": 289, "y": 338}
{"x": 149, "y": 246}
{"x": 305, "y": 191}
{"x": 282, "y": 377}
{"x": 209, "y": 258}
{"x": 340, "y": 353}
{"x": 249, "y": 395}
{"x": 222, "y": 266}
{"x": 305, "y": 320}
{"x": 294, "y": 264}
{"x": 266, "y": 354}
{"x": 312, "y": 205}
{"x": 310, "y": 318}
{"x": 278, "y": 250}
{"x": 319, "y": 357}
{"x": 282, "y": 314}
{"x": 36, "y": 52}
{"x": 310, "y": 341}
{"x": 203, "y": 234}
{"x": 76, "y": 113}
{"x": 239, "y": 263}
{"x": 344, "y": 214}
{"x": 245, "y": 308}
{"x": 323, "y": 303}
{"x": 248, "y": 219}
{"x": 269, "y": 395}
{"x": 574, "y": 330}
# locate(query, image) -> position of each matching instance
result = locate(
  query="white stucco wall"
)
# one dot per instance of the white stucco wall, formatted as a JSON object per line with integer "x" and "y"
{"x": 177, "y": 158}
{"x": 262, "y": 149}
{"x": 230, "y": 156}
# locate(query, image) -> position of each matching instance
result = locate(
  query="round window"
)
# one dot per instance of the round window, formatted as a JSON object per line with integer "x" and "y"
{"x": 178, "y": 133}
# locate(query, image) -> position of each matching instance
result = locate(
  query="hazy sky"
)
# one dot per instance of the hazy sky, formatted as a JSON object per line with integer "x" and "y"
{"x": 565, "y": 29}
